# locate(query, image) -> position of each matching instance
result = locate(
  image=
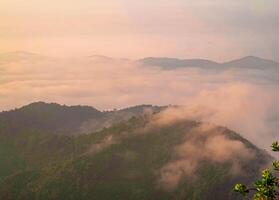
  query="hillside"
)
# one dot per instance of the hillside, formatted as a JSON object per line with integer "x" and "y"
{"x": 52, "y": 118}
{"x": 58, "y": 119}
{"x": 140, "y": 158}
{"x": 40, "y": 133}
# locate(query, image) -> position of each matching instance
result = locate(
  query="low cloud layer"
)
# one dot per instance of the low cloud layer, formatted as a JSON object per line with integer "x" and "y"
{"x": 245, "y": 100}
{"x": 252, "y": 110}
{"x": 205, "y": 143}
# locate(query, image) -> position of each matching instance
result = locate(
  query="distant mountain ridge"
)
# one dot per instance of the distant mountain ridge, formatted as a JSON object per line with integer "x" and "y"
{"x": 174, "y": 63}
{"x": 251, "y": 61}
{"x": 166, "y": 63}
{"x": 170, "y": 63}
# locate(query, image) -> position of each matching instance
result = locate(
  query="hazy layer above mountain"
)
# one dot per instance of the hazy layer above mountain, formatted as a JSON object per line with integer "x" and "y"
{"x": 245, "y": 62}
{"x": 151, "y": 156}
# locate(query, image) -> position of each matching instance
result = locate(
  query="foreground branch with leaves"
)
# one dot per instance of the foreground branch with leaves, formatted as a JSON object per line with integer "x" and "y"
{"x": 265, "y": 188}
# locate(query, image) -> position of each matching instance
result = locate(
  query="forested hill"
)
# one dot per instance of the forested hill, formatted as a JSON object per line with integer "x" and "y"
{"x": 63, "y": 120}
{"x": 137, "y": 158}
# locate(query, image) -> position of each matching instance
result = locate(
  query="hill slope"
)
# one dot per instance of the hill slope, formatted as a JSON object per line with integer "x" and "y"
{"x": 42, "y": 133}
{"x": 141, "y": 158}
{"x": 52, "y": 118}
{"x": 58, "y": 119}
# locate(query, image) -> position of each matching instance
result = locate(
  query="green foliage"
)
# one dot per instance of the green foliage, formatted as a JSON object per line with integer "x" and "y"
{"x": 242, "y": 189}
{"x": 276, "y": 165}
{"x": 39, "y": 159}
{"x": 266, "y": 188}
{"x": 10, "y": 160}
{"x": 275, "y": 146}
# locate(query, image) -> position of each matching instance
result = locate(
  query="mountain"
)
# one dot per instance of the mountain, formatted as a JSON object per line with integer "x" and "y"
{"x": 252, "y": 62}
{"x": 110, "y": 118}
{"x": 165, "y": 63}
{"x": 37, "y": 130}
{"x": 52, "y": 118}
{"x": 65, "y": 120}
{"x": 139, "y": 157}
{"x": 245, "y": 62}
{"x": 172, "y": 63}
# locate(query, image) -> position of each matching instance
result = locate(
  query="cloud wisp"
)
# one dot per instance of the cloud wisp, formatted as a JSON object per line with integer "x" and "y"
{"x": 204, "y": 143}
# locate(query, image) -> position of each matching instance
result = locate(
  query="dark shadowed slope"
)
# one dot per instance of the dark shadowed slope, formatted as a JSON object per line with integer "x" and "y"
{"x": 52, "y": 118}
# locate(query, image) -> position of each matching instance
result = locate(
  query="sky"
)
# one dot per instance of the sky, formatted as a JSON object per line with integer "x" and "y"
{"x": 214, "y": 29}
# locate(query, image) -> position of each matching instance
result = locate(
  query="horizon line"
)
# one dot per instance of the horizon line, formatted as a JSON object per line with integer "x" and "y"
{"x": 136, "y": 59}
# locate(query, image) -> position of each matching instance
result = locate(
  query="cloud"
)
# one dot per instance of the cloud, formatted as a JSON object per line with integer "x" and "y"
{"x": 105, "y": 143}
{"x": 205, "y": 143}
{"x": 247, "y": 108}
{"x": 245, "y": 100}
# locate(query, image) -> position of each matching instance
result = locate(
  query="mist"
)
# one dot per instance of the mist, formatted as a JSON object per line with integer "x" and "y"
{"x": 205, "y": 143}
{"x": 242, "y": 99}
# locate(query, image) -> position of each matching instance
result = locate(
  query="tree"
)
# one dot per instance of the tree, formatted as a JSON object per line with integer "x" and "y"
{"x": 265, "y": 188}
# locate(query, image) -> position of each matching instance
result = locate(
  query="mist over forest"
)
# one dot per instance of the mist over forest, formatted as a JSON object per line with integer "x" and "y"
{"x": 240, "y": 94}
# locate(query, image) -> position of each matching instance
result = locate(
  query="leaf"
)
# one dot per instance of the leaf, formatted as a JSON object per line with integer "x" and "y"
{"x": 242, "y": 189}
{"x": 276, "y": 165}
{"x": 275, "y": 146}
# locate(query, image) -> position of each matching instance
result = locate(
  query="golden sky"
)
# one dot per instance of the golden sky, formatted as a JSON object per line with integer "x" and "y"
{"x": 215, "y": 29}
